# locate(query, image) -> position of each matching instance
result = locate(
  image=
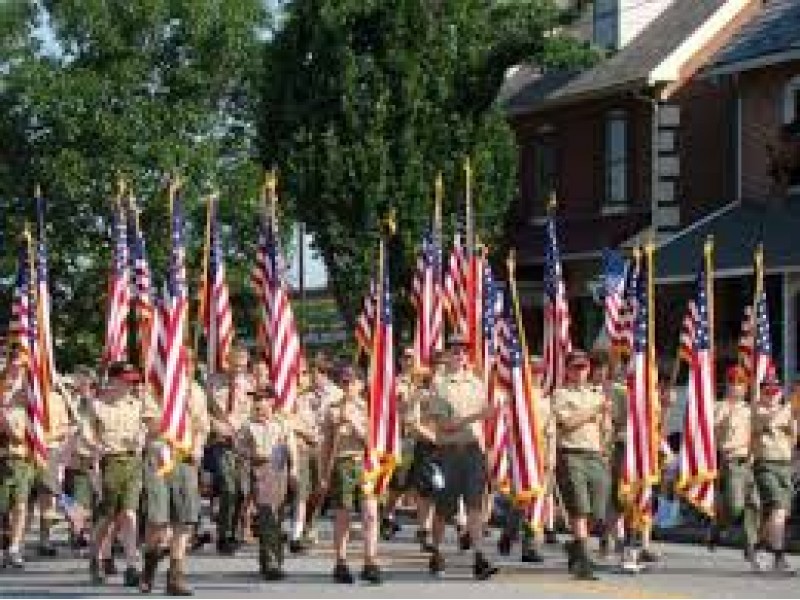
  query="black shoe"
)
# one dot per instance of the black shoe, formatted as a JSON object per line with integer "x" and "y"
{"x": 273, "y": 573}
{"x": 371, "y": 573}
{"x": 96, "y": 574}
{"x": 109, "y": 566}
{"x": 781, "y": 565}
{"x": 649, "y": 556}
{"x": 572, "y": 559}
{"x": 583, "y": 568}
{"x": 436, "y": 564}
{"x": 550, "y": 537}
{"x": 201, "y": 540}
{"x": 15, "y": 560}
{"x": 464, "y": 542}
{"x": 387, "y": 529}
{"x": 131, "y": 577}
{"x": 227, "y": 547}
{"x": 504, "y": 545}
{"x": 342, "y": 574}
{"x": 531, "y": 555}
{"x": 713, "y": 538}
{"x": 483, "y": 569}
{"x": 47, "y": 550}
{"x": 297, "y": 547}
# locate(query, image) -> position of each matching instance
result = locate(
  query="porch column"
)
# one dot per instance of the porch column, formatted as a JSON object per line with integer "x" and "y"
{"x": 790, "y": 287}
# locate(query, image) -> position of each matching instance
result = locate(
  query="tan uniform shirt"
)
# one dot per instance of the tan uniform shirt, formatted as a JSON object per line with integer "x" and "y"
{"x": 269, "y": 446}
{"x": 118, "y": 423}
{"x": 13, "y": 431}
{"x": 306, "y": 420}
{"x": 231, "y": 400}
{"x": 457, "y": 396}
{"x": 774, "y": 432}
{"x": 547, "y": 424}
{"x": 569, "y": 403}
{"x": 732, "y": 421}
{"x": 619, "y": 411}
{"x": 198, "y": 415}
{"x": 59, "y": 420}
{"x": 352, "y": 432}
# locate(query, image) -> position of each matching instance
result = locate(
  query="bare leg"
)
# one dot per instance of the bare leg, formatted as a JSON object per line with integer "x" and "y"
{"x": 17, "y": 520}
{"x": 129, "y": 535}
{"x": 341, "y": 533}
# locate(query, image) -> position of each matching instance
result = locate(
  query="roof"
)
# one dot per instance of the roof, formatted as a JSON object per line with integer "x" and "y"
{"x": 653, "y": 56}
{"x": 773, "y": 33}
{"x": 736, "y": 229}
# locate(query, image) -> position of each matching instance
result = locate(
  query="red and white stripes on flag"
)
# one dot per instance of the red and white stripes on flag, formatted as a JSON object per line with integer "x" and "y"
{"x": 281, "y": 332}
{"x": 216, "y": 313}
{"x": 119, "y": 294}
{"x": 557, "y": 342}
{"x": 143, "y": 301}
{"x": 698, "y": 452}
{"x": 46, "y": 357}
{"x": 366, "y": 319}
{"x": 640, "y": 469}
{"x": 747, "y": 342}
{"x": 614, "y": 276}
{"x": 686, "y": 341}
{"x": 526, "y": 448}
{"x": 763, "y": 363}
{"x": 172, "y": 327}
{"x": 382, "y": 452}
{"x": 426, "y": 296}
{"x": 456, "y": 288}
{"x": 26, "y": 339}
{"x": 478, "y": 264}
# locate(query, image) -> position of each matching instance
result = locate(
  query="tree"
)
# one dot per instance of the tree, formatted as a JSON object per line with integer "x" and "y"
{"x": 374, "y": 98}
{"x": 138, "y": 88}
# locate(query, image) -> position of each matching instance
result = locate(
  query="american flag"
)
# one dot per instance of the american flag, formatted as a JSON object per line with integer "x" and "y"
{"x": 628, "y": 313}
{"x": 216, "y": 307}
{"x": 640, "y": 468}
{"x": 763, "y": 364}
{"x": 143, "y": 301}
{"x": 28, "y": 339}
{"x": 526, "y": 450}
{"x": 282, "y": 335}
{"x": 119, "y": 294}
{"x": 557, "y": 342}
{"x": 746, "y": 342}
{"x": 426, "y": 296}
{"x": 48, "y": 365}
{"x": 615, "y": 268}
{"x": 496, "y": 427}
{"x": 456, "y": 288}
{"x": 172, "y": 326}
{"x": 478, "y": 263}
{"x": 366, "y": 319}
{"x": 382, "y": 452}
{"x": 688, "y": 327}
{"x": 260, "y": 284}
{"x": 698, "y": 453}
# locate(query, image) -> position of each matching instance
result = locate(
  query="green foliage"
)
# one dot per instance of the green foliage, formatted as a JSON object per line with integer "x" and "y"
{"x": 375, "y": 98}
{"x": 141, "y": 88}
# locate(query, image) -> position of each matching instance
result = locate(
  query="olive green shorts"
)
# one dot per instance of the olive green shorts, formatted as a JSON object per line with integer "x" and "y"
{"x": 422, "y": 455}
{"x": 16, "y": 482}
{"x": 464, "y": 471}
{"x": 736, "y": 488}
{"x": 78, "y": 484}
{"x": 120, "y": 484}
{"x": 583, "y": 481}
{"x": 173, "y": 498}
{"x": 346, "y": 479}
{"x": 774, "y": 483}
{"x": 307, "y": 475}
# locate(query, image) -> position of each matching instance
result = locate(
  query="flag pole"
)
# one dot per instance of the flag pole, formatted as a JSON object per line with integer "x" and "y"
{"x": 652, "y": 369}
{"x": 44, "y": 365}
{"x": 468, "y": 201}
{"x": 708, "y": 256}
{"x": 511, "y": 265}
{"x": 204, "y": 304}
{"x": 758, "y": 272}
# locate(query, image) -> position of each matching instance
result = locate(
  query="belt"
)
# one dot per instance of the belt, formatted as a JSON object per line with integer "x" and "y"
{"x": 121, "y": 455}
{"x": 580, "y": 451}
{"x": 737, "y": 460}
{"x": 459, "y": 445}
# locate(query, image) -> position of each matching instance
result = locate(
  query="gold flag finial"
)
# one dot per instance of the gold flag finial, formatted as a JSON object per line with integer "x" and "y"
{"x": 270, "y": 187}
{"x": 552, "y": 203}
{"x": 388, "y": 224}
{"x": 37, "y": 190}
{"x": 438, "y": 186}
{"x": 511, "y": 264}
{"x": 175, "y": 183}
{"x": 467, "y": 168}
{"x": 708, "y": 246}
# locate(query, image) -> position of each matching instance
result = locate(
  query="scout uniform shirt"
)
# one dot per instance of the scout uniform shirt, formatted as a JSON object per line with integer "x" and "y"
{"x": 547, "y": 425}
{"x": 59, "y": 421}
{"x": 774, "y": 432}
{"x": 197, "y": 412}
{"x": 12, "y": 432}
{"x": 571, "y": 401}
{"x": 118, "y": 423}
{"x": 307, "y": 420}
{"x": 349, "y": 439}
{"x": 458, "y": 395}
{"x": 732, "y": 423}
{"x": 230, "y": 399}
{"x": 268, "y": 445}
{"x": 618, "y": 396}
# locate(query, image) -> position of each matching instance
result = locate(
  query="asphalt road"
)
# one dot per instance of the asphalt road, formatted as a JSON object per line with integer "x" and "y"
{"x": 686, "y": 571}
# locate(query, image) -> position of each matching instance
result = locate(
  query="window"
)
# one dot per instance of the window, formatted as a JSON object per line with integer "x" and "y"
{"x": 786, "y": 159}
{"x": 616, "y": 160}
{"x": 791, "y": 101}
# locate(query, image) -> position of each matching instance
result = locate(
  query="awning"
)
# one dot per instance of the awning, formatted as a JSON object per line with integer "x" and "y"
{"x": 737, "y": 229}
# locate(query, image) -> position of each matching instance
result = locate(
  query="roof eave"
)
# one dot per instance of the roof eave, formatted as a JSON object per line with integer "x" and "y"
{"x": 751, "y": 64}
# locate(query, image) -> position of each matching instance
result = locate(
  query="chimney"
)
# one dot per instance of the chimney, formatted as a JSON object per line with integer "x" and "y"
{"x": 617, "y": 22}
